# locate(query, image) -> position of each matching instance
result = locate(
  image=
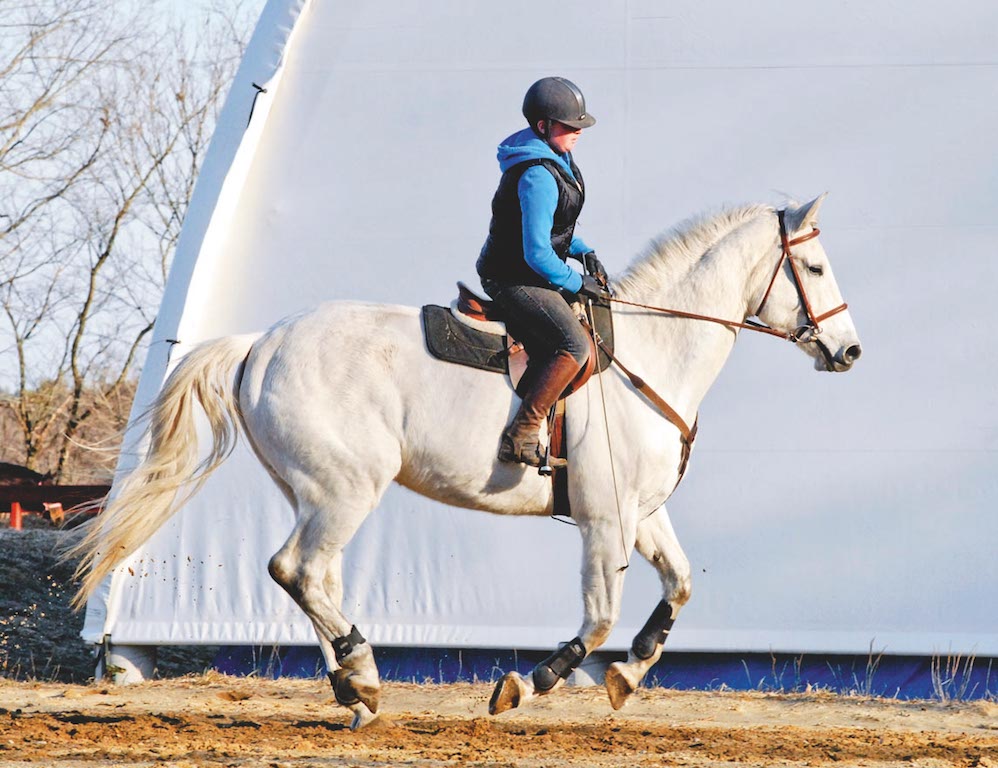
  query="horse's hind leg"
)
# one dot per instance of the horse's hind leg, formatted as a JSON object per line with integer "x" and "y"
{"x": 308, "y": 567}
{"x": 332, "y": 582}
{"x": 657, "y": 543}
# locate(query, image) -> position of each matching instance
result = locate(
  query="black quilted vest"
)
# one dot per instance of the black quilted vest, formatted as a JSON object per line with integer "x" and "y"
{"x": 502, "y": 258}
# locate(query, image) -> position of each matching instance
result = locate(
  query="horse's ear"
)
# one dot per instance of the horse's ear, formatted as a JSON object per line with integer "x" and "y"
{"x": 806, "y": 216}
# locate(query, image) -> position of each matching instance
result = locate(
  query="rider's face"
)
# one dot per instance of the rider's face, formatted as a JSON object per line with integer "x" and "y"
{"x": 562, "y": 137}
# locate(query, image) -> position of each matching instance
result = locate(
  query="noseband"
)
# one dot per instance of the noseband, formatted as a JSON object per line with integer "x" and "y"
{"x": 812, "y": 329}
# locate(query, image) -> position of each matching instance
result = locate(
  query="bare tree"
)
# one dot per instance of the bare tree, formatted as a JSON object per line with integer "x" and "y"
{"x": 47, "y": 146}
{"x": 103, "y": 128}
{"x": 52, "y": 50}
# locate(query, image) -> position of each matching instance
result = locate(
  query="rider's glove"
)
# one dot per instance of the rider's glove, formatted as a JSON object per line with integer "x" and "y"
{"x": 592, "y": 288}
{"x": 594, "y": 267}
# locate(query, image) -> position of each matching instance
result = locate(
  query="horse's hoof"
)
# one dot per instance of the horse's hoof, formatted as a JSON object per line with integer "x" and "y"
{"x": 350, "y": 692}
{"x": 362, "y": 716}
{"x": 508, "y": 693}
{"x": 617, "y": 685}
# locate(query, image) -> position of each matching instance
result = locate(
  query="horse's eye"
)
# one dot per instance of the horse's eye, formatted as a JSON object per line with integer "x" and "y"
{"x": 816, "y": 269}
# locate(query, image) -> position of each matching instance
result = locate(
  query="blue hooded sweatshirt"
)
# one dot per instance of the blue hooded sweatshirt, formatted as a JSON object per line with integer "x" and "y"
{"x": 538, "y": 192}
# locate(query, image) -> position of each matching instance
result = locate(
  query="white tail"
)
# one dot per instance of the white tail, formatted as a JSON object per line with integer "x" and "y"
{"x": 150, "y": 495}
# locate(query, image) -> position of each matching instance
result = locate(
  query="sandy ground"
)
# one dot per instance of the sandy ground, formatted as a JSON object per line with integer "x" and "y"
{"x": 213, "y": 720}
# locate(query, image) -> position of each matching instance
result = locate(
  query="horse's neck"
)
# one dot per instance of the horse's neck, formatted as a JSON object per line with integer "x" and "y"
{"x": 681, "y": 358}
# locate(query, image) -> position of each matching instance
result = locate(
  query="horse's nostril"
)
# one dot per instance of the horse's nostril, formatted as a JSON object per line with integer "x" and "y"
{"x": 853, "y": 353}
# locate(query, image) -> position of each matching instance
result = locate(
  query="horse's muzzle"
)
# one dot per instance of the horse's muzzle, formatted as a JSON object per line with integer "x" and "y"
{"x": 843, "y": 359}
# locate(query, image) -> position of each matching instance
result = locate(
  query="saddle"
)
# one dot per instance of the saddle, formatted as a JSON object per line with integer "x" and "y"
{"x": 472, "y": 332}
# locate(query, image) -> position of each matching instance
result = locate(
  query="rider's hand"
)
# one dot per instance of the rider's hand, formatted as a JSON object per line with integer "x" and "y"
{"x": 592, "y": 288}
{"x": 594, "y": 267}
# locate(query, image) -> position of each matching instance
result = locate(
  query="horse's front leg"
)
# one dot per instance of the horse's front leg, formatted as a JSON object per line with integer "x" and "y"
{"x": 606, "y": 544}
{"x": 657, "y": 543}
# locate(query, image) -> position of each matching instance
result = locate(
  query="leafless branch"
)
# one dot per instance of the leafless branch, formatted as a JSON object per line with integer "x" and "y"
{"x": 104, "y": 122}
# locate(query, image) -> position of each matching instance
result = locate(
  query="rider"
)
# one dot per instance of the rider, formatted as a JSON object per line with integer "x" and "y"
{"x": 522, "y": 265}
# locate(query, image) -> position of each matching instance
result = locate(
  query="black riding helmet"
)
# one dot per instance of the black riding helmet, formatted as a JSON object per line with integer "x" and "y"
{"x": 555, "y": 98}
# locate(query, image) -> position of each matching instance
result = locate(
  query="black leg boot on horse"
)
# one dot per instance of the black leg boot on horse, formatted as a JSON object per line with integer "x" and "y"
{"x": 521, "y": 440}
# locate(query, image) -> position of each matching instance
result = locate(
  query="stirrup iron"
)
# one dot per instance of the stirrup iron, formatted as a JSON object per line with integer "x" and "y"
{"x": 545, "y": 469}
{"x": 550, "y": 463}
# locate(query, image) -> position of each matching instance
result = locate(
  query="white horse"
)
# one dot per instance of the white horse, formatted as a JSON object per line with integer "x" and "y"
{"x": 339, "y": 402}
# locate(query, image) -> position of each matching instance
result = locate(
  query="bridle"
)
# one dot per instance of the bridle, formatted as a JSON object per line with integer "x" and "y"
{"x": 806, "y": 333}
{"x": 811, "y": 330}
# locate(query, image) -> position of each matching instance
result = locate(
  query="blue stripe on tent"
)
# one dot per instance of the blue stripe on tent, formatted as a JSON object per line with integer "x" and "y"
{"x": 903, "y": 677}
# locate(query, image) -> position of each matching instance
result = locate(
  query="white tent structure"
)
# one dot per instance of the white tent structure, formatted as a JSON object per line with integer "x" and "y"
{"x": 354, "y": 159}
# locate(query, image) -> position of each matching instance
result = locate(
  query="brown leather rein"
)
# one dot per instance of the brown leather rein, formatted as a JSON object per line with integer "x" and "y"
{"x": 805, "y": 334}
{"x": 687, "y": 433}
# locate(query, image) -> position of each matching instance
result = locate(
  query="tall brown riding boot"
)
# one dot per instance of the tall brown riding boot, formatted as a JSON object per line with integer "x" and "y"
{"x": 521, "y": 441}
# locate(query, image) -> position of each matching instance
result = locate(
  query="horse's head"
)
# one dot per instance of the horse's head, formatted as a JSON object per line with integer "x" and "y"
{"x": 799, "y": 294}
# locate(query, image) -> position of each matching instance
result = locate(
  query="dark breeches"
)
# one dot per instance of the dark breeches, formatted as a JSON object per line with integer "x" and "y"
{"x": 541, "y": 319}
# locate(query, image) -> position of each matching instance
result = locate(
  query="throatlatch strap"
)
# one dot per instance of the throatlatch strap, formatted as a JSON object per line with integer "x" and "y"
{"x": 654, "y": 632}
{"x": 343, "y": 646}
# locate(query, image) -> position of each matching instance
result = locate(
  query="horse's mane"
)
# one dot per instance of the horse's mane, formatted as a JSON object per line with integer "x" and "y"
{"x": 668, "y": 257}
